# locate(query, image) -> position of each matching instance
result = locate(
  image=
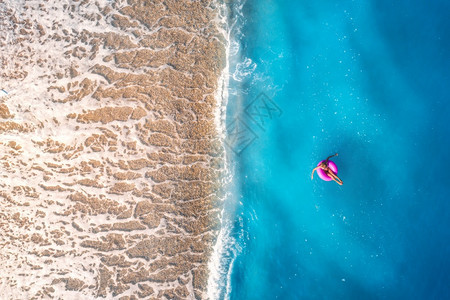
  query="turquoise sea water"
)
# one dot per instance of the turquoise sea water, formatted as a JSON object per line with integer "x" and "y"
{"x": 366, "y": 79}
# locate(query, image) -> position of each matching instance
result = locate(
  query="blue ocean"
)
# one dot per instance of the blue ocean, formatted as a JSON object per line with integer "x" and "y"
{"x": 368, "y": 80}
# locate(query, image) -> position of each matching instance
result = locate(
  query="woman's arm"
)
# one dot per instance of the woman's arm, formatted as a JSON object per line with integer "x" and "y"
{"x": 331, "y": 156}
{"x": 312, "y": 174}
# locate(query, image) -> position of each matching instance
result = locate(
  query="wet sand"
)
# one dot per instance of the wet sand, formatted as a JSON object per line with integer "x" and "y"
{"x": 109, "y": 148}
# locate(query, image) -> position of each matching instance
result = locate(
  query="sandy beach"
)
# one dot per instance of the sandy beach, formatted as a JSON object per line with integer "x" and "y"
{"x": 109, "y": 148}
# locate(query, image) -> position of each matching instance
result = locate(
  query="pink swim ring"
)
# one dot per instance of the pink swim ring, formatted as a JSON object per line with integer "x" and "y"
{"x": 324, "y": 175}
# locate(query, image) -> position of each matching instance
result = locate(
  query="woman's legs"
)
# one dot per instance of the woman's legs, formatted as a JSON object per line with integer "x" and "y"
{"x": 334, "y": 177}
{"x": 338, "y": 180}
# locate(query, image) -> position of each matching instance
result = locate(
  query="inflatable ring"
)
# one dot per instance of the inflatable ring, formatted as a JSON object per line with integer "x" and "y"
{"x": 324, "y": 175}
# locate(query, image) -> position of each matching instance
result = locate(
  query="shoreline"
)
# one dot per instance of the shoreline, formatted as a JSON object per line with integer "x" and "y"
{"x": 221, "y": 95}
{"x": 226, "y": 248}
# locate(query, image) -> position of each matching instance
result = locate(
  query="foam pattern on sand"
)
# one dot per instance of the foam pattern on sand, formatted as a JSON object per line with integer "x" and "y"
{"x": 109, "y": 153}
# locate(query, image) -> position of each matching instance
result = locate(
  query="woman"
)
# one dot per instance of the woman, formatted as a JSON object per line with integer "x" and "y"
{"x": 327, "y": 170}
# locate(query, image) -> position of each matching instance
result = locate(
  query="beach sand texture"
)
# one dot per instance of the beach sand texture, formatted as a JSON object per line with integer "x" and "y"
{"x": 109, "y": 148}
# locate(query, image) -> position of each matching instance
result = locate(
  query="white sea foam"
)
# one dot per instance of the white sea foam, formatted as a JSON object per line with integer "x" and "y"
{"x": 221, "y": 95}
{"x": 225, "y": 250}
{"x": 244, "y": 69}
{"x": 234, "y": 47}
